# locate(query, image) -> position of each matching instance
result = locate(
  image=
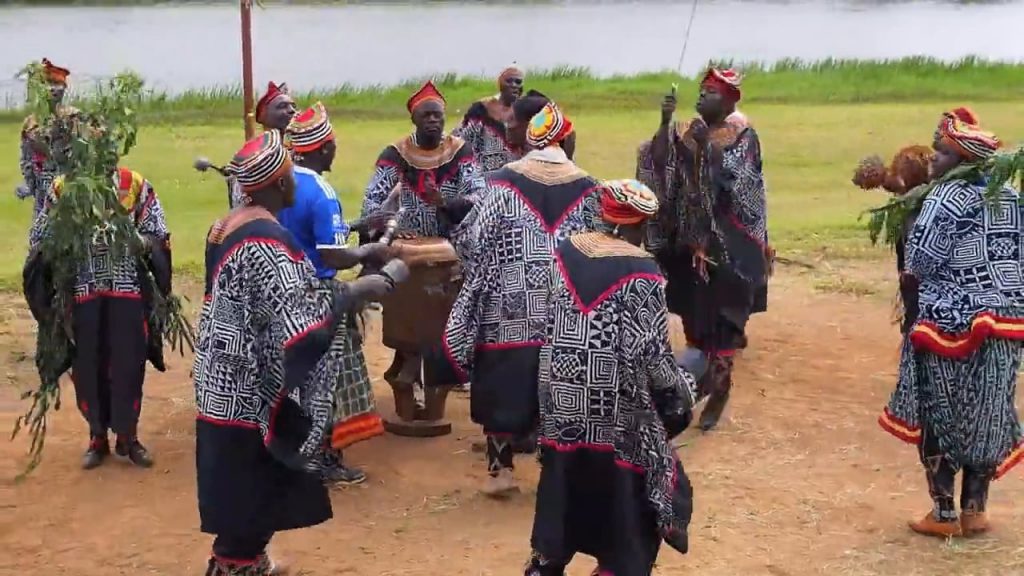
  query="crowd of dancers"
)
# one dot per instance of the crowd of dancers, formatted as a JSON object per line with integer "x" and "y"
{"x": 557, "y": 324}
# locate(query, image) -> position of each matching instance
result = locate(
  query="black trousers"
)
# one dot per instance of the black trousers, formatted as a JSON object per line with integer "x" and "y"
{"x": 109, "y": 366}
{"x": 940, "y": 471}
{"x": 240, "y": 549}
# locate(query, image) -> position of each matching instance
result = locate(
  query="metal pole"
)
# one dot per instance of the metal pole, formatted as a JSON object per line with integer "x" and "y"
{"x": 247, "y": 89}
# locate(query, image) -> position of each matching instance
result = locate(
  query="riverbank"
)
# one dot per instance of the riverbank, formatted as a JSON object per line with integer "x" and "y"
{"x": 810, "y": 153}
{"x": 792, "y": 82}
{"x": 815, "y": 123}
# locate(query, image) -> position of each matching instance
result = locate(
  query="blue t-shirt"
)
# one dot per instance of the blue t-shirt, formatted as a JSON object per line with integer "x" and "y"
{"x": 315, "y": 218}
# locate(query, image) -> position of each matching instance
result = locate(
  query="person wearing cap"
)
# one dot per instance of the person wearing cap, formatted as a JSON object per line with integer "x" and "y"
{"x": 715, "y": 251}
{"x": 485, "y": 126}
{"x": 265, "y": 369}
{"x": 437, "y": 172}
{"x": 436, "y": 179}
{"x": 111, "y": 336}
{"x": 496, "y": 327}
{"x": 315, "y": 220}
{"x": 276, "y": 108}
{"x": 38, "y": 162}
{"x": 611, "y": 397}
{"x": 956, "y": 390}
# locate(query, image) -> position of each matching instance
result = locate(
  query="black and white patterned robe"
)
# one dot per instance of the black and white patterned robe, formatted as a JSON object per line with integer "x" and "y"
{"x": 450, "y": 170}
{"x": 611, "y": 399}
{"x": 958, "y": 369}
{"x": 267, "y": 359}
{"x": 487, "y": 135}
{"x": 496, "y": 326}
{"x": 721, "y": 211}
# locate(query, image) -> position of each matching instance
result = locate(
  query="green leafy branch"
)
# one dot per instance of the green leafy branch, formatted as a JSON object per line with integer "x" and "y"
{"x": 86, "y": 146}
{"x": 889, "y": 221}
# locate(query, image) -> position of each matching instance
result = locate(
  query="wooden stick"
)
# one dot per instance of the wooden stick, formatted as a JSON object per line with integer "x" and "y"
{"x": 248, "y": 118}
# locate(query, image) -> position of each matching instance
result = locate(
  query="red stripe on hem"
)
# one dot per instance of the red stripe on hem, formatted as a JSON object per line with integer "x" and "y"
{"x": 229, "y": 423}
{"x": 927, "y": 336}
{"x": 1016, "y": 457}
{"x": 107, "y": 294}
{"x": 603, "y": 448}
{"x": 899, "y": 428}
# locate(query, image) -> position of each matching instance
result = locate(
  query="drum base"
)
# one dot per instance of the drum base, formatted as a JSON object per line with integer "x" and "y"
{"x": 416, "y": 428}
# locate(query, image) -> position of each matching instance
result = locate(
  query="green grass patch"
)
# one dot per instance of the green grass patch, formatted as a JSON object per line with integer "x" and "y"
{"x": 578, "y": 91}
{"x": 816, "y": 122}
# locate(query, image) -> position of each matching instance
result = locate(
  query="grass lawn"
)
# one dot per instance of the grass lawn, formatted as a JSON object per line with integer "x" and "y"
{"x": 810, "y": 153}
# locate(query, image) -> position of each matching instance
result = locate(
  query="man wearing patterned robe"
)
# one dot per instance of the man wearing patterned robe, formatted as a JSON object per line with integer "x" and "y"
{"x": 485, "y": 126}
{"x": 267, "y": 361}
{"x": 955, "y": 397}
{"x": 707, "y": 172}
{"x": 611, "y": 399}
{"x": 437, "y": 179}
{"x": 496, "y": 326}
{"x": 109, "y": 318}
{"x": 317, "y": 223}
{"x": 39, "y": 143}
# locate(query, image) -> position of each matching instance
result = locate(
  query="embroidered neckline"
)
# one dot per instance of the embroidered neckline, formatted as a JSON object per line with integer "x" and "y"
{"x": 428, "y": 159}
{"x": 548, "y": 173}
{"x": 603, "y": 245}
{"x": 235, "y": 220}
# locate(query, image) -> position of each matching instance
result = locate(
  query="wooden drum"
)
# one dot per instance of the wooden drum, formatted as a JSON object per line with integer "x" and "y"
{"x": 416, "y": 312}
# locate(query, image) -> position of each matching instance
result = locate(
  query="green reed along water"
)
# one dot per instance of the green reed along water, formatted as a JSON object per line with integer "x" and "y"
{"x": 787, "y": 82}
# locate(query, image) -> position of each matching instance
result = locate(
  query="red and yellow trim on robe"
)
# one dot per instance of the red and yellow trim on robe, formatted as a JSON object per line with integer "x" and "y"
{"x": 928, "y": 337}
{"x": 356, "y": 429}
{"x": 912, "y": 435}
{"x": 899, "y": 428}
{"x": 1016, "y": 457}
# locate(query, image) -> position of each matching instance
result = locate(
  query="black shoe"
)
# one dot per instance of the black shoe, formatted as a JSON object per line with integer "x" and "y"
{"x": 98, "y": 451}
{"x": 135, "y": 452}
{"x": 345, "y": 475}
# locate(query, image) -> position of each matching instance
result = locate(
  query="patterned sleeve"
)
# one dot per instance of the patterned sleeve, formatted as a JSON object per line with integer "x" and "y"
{"x": 931, "y": 239}
{"x": 466, "y": 238}
{"x": 39, "y": 226}
{"x": 460, "y": 335}
{"x": 149, "y": 215}
{"x": 672, "y": 389}
{"x": 299, "y": 312}
{"x": 382, "y": 183}
{"x": 748, "y": 200}
{"x": 471, "y": 180}
{"x": 470, "y": 131}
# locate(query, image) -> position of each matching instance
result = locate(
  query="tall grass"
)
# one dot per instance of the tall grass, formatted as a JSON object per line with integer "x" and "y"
{"x": 832, "y": 81}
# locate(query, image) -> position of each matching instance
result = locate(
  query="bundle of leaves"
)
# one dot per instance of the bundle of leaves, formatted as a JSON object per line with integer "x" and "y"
{"x": 87, "y": 215}
{"x": 888, "y": 222}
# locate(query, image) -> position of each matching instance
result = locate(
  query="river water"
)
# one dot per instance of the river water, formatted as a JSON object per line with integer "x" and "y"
{"x": 176, "y": 47}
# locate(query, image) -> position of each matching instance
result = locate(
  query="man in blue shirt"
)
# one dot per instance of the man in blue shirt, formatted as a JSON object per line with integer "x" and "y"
{"x": 315, "y": 220}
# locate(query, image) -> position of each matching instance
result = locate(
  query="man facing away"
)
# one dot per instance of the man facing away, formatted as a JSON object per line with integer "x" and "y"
{"x": 264, "y": 371}
{"x": 497, "y": 325}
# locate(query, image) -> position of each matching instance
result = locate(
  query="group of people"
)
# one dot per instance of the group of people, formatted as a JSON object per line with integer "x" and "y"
{"x": 961, "y": 276}
{"x": 560, "y": 323}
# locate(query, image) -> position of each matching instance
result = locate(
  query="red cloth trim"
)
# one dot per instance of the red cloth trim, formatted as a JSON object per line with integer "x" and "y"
{"x": 927, "y": 336}
{"x": 587, "y": 308}
{"x": 509, "y": 345}
{"x": 107, "y": 294}
{"x": 230, "y": 423}
{"x": 356, "y": 429}
{"x": 899, "y": 428}
{"x": 540, "y": 218}
{"x": 1016, "y": 457}
{"x": 603, "y": 448}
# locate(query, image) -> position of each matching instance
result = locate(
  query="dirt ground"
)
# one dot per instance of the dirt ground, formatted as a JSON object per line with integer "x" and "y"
{"x": 798, "y": 480}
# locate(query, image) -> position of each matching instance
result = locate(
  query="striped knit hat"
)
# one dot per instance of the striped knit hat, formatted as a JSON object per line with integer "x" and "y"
{"x": 261, "y": 161}
{"x": 627, "y": 202}
{"x": 959, "y": 129}
{"x": 310, "y": 129}
{"x": 549, "y": 126}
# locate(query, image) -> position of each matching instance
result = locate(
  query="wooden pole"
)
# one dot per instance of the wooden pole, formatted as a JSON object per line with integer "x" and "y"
{"x": 247, "y": 89}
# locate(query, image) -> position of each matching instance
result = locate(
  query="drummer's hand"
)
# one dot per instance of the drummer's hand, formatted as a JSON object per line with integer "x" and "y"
{"x": 396, "y": 270}
{"x": 374, "y": 253}
{"x": 404, "y": 236}
{"x": 370, "y": 286}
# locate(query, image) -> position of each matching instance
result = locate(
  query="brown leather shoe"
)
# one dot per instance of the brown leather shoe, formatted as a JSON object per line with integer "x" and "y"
{"x": 929, "y": 526}
{"x": 974, "y": 523}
